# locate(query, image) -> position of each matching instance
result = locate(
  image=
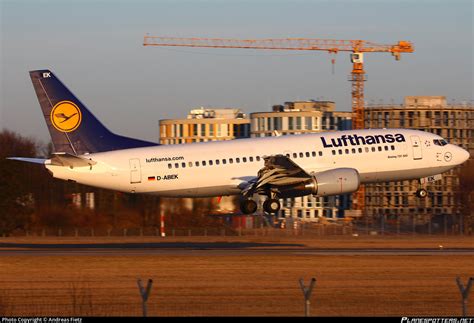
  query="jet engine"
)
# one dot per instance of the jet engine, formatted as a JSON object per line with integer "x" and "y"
{"x": 331, "y": 182}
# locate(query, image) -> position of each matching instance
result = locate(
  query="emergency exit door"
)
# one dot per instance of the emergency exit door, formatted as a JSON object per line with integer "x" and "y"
{"x": 416, "y": 145}
{"x": 135, "y": 171}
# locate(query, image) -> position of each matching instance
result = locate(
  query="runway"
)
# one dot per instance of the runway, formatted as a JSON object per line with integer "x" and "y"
{"x": 211, "y": 249}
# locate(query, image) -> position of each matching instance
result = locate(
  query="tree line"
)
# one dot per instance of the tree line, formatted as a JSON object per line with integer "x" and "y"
{"x": 31, "y": 199}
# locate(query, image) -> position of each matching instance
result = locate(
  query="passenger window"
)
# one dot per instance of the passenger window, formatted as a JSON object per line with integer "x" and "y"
{"x": 190, "y": 164}
{"x": 386, "y": 148}
{"x": 176, "y": 165}
{"x": 353, "y": 150}
{"x": 320, "y": 153}
{"x": 231, "y": 160}
{"x": 197, "y": 164}
{"x": 360, "y": 150}
{"x": 340, "y": 151}
{"x": 366, "y": 149}
{"x": 393, "y": 147}
{"x": 313, "y": 154}
{"x": 237, "y": 160}
{"x": 183, "y": 165}
{"x": 244, "y": 159}
{"x": 203, "y": 163}
{"x": 217, "y": 162}
{"x": 288, "y": 155}
{"x": 307, "y": 154}
{"x": 347, "y": 151}
{"x": 258, "y": 158}
{"x": 170, "y": 166}
{"x": 380, "y": 148}
{"x": 210, "y": 163}
{"x": 333, "y": 152}
{"x": 301, "y": 155}
{"x": 251, "y": 159}
{"x": 373, "y": 149}
{"x": 224, "y": 161}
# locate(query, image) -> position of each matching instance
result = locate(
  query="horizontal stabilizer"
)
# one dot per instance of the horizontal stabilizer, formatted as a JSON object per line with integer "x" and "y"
{"x": 65, "y": 159}
{"x": 29, "y": 160}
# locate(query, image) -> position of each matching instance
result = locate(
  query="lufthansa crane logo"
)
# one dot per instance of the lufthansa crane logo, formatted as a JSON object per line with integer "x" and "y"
{"x": 66, "y": 116}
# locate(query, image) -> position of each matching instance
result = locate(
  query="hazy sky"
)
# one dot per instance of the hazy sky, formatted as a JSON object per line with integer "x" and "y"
{"x": 95, "y": 48}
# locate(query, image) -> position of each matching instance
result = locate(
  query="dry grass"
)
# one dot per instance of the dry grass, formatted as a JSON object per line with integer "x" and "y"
{"x": 238, "y": 285}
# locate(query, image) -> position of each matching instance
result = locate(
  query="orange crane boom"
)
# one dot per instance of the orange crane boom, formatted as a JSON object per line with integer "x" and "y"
{"x": 333, "y": 46}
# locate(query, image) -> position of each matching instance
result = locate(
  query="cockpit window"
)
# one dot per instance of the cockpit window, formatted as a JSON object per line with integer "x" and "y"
{"x": 440, "y": 142}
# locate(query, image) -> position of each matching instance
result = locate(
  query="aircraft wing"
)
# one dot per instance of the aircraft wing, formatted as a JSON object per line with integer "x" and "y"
{"x": 279, "y": 171}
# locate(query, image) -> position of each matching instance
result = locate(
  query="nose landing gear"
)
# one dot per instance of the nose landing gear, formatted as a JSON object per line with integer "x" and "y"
{"x": 421, "y": 193}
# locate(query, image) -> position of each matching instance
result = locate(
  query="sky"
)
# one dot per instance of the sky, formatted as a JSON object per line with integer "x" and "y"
{"x": 95, "y": 48}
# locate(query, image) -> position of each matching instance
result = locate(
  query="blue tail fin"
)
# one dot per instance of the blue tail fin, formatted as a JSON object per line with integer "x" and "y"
{"x": 73, "y": 128}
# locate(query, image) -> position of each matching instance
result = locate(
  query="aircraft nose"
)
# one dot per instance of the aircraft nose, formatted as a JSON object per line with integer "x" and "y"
{"x": 462, "y": 154}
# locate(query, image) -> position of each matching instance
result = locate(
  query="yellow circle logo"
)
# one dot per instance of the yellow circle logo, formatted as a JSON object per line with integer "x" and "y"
{"x": 66, "y": 116}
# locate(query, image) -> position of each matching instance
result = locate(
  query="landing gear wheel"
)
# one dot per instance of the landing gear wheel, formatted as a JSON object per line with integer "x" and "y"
{"x": 421, "y": 193}
{"x": 248, "y": 206}
{"x": 271, "y": 206}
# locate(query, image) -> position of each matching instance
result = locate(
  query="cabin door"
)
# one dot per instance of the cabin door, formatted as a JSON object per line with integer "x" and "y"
{"x": 416, "y": 145}
{"x": 135, "y": 171}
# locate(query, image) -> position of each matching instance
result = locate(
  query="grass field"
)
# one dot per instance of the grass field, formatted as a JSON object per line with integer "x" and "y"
{"x": 241, "y": 285}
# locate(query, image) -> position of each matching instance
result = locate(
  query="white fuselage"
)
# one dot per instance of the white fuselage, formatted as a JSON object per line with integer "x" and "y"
{"x": 223, "y": 168}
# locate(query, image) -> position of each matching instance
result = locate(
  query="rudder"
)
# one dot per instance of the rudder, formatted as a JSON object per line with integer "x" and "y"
{"x": 73, "y": 128}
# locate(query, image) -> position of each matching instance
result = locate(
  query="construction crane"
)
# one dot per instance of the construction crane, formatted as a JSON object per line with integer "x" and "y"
{"x": 357, "y": 48}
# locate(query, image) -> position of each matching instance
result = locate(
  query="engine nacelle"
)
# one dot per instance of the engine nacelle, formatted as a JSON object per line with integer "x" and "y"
{"x": 331, "y": 182}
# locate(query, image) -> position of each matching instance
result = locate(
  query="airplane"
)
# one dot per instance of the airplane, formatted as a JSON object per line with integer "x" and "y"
{"x": 321, "y": 164}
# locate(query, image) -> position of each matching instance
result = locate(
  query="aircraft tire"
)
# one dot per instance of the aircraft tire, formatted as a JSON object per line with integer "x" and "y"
{"x": 248, "y": 206}
{"x": 271, "y": 206}
{"x": 421, "y": 193}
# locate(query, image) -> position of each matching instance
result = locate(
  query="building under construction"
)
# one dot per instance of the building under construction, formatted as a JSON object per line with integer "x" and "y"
{"x": 455, "y": 123}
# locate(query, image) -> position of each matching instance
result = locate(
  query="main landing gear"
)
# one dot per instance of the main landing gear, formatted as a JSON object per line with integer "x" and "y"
{"x": 271, "y": 205}
{"x": 249, "y": 206}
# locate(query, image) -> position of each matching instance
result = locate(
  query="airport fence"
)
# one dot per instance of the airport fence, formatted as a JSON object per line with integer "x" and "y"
{"x": 360, "y": 227}
{"x": 96, "y": 298}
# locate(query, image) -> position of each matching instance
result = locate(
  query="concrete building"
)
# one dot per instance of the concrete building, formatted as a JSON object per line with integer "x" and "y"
{"x": 302, "y": 117}
{"x": 455, "y": 123}
{"x": 205, "y": 124}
